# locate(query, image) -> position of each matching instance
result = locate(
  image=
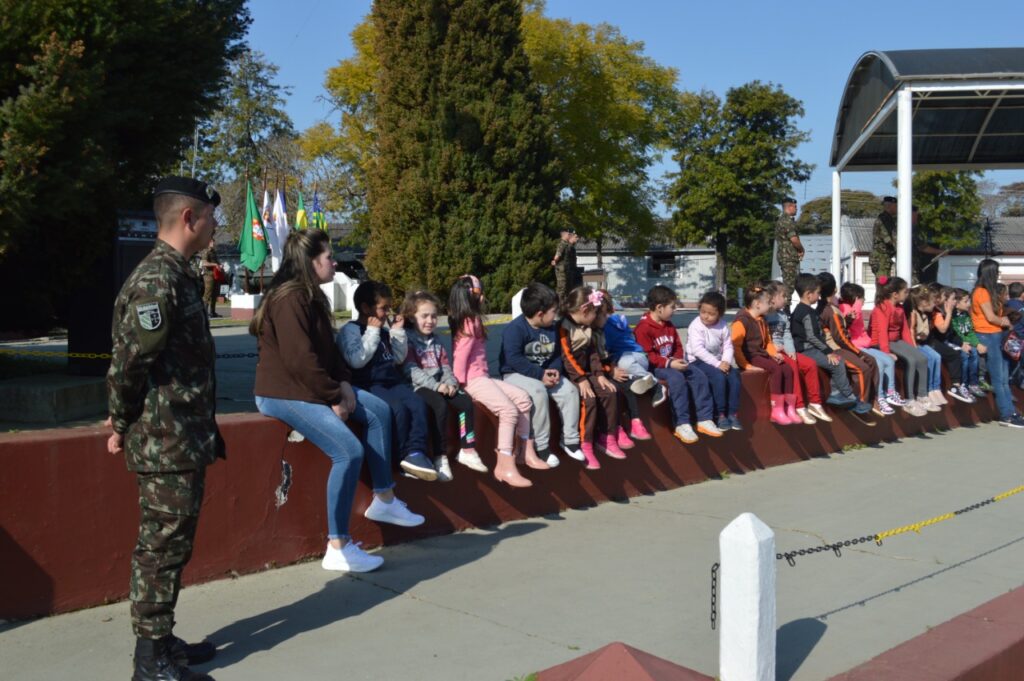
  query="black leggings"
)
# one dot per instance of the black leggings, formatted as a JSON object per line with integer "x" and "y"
{"x": 628, "y": 396}
{"x": 437, "y": 404}
{"x": 950, "y": 358}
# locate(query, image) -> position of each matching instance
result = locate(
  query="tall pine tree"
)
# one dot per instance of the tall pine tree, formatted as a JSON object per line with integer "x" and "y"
{"x": 465, "y": 180}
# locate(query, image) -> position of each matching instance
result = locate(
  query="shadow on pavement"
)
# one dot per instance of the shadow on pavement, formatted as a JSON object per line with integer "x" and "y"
{"x": 794, "y": 642}
{"x": 351, "y": 595}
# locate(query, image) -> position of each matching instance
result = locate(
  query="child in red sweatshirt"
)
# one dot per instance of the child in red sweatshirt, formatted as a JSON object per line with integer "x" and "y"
{"x": 658, "y": 337}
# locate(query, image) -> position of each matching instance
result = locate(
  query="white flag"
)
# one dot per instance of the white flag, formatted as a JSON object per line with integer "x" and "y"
{"x": 268, "y": 224}
{"x": 281, "y": 220}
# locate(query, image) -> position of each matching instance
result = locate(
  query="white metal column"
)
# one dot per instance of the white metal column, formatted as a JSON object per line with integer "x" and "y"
{"x": 837, "y": 217}
{"x": 904, "y": 161}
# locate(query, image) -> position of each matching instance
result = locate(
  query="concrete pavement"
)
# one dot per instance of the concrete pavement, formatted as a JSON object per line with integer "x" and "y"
{"x": 500, "y": 603}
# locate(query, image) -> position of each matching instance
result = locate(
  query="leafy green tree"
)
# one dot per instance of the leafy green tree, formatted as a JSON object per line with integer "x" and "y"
{"x": 737, "y": 160}
{"x": 95, "y": 99}
{"x": 1012, "y": 196}
{"x": 610, "y": 107}
{"x": 950, "y": 207}
{"x": 816, "y": 214}
{"x": 464, "y": 180}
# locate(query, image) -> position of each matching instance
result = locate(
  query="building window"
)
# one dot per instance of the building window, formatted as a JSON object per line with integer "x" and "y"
{"x": 866, "y": 275}
{"x": 662, "y": 265}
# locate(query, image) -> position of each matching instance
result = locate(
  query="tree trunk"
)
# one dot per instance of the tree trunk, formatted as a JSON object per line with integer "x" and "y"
{"x": 599, "y": 242}
{"x": 720, "y": 263}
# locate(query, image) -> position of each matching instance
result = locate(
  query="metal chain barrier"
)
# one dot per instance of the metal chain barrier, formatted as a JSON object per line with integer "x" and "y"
{"x": 877, "y": 538}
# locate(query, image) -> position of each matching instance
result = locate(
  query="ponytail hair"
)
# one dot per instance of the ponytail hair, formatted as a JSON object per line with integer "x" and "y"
{"x": 884, "y": 290}
{"x": 465, "y": 304}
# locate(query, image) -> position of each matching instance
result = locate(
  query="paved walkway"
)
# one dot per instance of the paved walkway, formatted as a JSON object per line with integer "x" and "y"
{"x": 497, "y": 604}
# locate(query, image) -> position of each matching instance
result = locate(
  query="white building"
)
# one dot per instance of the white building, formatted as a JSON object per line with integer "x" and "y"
{"x": 688, "y": 270}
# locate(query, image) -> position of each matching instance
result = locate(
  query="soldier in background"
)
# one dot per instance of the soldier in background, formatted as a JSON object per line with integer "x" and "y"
{"x": 564, "y": 263}
{"x": 161, "y": 391}
{"x": 208, "y": 262}
{"x": 789, "y": 250}
{"x": 883, "y": 239}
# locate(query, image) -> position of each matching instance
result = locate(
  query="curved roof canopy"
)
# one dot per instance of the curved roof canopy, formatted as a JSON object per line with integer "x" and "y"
{"x": 968, "y": 110}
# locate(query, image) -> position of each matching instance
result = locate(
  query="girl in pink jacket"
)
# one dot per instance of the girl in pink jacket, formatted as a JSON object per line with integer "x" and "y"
{"x": 510, "y": 404}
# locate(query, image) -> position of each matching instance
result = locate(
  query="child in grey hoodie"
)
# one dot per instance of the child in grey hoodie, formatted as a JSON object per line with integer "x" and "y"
{"x": 429, "y": 370}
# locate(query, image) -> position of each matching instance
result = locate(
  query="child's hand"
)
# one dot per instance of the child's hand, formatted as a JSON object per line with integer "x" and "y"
{"x": 678, "y": 364}
{"x": 586, "y": 391}
{"x": 620, "y": 374}
{"x": 966, "y": 347}
{"x": 754, "y": 369}
{"x": 777, "y": 358}
{"x": 982, "y": 348}
{"x": 446, "y": 389}
{"x": 605, "y": 383}
{"x": 833, "y": 359}
{"x": 398, "y": 323}
{"x": 375, "y": 322}
{"x": 725, "y": 367}
{"x": 892, "y": 356}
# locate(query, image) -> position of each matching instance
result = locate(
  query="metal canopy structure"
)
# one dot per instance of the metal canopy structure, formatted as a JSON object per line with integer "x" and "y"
{"x": 957, "y": 109}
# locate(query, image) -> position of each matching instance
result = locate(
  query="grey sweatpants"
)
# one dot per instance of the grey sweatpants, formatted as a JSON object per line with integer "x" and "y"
{"x": 566, "y": 396}
{"x": 915, "y": 368}
{"x": 839, "y": 379}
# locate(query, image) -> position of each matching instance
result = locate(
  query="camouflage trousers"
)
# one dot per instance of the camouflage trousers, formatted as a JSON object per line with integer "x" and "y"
{"x": 210, "y": 288}
{"x": 789, "y": 272}
{"x": 168, "y": 515}
{"x": 561, "y": 285}
{"x": 882, "y": 269}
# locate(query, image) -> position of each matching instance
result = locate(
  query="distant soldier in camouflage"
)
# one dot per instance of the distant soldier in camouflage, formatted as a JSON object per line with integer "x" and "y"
{"x": 883, "y": 239}
{"x": 161, "y": 391}
{"x": 564, "y": 263}
{"x": 789, "y": 250}
{"x": 208, "y": 262}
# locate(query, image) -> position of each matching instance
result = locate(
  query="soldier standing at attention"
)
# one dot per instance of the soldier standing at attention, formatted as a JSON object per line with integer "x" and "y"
{"x": 564, "y": 263}
{"x": 789, "y": 250}
{"x": 161, "y": 390}
{"x": 883, "y": 239}
{"x": 208, "y": 261}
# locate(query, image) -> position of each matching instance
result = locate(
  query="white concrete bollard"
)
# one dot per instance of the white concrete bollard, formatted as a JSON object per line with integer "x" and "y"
{"x": 746, "y": 597}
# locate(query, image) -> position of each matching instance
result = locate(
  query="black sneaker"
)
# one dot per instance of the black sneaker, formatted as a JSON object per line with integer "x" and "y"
{"x": 1013, "y": 421}
{"x": 419, "y": 466}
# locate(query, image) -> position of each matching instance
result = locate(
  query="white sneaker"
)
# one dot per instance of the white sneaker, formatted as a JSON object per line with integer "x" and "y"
{"x": 685, "y": 433}
{"x": 574, "y": 451}
{"x": 350, "y": 558}
{"x": 913, "y": 408}
{"x": 929, "y": 404}
{"x": 805, "y": 416}
{"x": 937, "y": 398}
{"x": 818, "y": 412}
{"x": 552, "y": 461}
{"x": 709, "y": 428}
{"x": 295, "y": 436}
{"x": 471, "y": 460}
{"x": 395, "y": 513}
{"x": 444, "y": 469}
{"x": 660, "y": 395}
{"x": 643, "y": 384}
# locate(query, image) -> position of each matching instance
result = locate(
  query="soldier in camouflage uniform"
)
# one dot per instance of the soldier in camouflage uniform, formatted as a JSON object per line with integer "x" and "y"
{"x": 789, "y": 250}
{"x": 161, "y": 392}
{"x": 564, "y": 263}
{"x": 208, "y": 261}
{"x": 883, "y": 239}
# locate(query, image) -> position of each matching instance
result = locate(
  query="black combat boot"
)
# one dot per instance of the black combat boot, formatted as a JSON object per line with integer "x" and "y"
{"x": 187, "y": 654}
{"x": 153, "y": 662}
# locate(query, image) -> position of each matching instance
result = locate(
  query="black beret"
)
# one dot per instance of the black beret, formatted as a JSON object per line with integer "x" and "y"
{"x": 888, "y": 199}
{"x": 789, "y": 199}
{"x": 187, "y": 186}
{"x": 571, "y": 230}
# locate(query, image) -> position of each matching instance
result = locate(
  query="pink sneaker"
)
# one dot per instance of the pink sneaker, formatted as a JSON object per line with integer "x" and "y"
{"x": 623, "y": 439}
{"x": 588, "y": 454}
{"x": 608, "y": 446}
{"x": 637, "y": 431}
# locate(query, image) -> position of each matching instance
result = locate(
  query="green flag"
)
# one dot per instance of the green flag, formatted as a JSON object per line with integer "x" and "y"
{"x": 253, "y": 243}
{"x": 301, "y": 221}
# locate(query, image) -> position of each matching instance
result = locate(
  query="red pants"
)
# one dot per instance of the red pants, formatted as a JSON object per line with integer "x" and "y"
{"x": 806, "y": 368}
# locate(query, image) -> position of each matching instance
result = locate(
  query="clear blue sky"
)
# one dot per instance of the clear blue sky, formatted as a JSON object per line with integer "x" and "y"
{"x": 807, "y": 47}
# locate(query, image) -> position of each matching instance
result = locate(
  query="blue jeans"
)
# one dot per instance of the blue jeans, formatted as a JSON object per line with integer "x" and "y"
{"x": 969, "y": 366}
{"x": 998, "y": 372}
{"x": 725, "y": 387}
{"x": 686, "y": 386}
{"x": 412, "y": 426}
{"x": 934, "y": 367}
{"x": 323, "y": 428}
{"x": 886, "y": 370}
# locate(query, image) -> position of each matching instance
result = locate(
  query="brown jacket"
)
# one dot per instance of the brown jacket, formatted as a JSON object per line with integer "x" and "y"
{"x": 298, "y": 357}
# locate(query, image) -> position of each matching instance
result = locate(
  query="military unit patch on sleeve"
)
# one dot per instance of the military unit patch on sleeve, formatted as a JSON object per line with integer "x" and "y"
{"x": 150, "y": 318}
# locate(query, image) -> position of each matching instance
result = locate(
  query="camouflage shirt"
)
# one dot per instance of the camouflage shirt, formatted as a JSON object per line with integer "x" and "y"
{"x": 785, "y": 230}
{"x": 161, "y": 386}
{"x": 883, "y": 241}
{"x": 565, "y": 255}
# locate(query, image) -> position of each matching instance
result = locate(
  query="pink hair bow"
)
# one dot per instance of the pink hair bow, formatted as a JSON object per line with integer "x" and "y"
{"x": 595, "y": 298}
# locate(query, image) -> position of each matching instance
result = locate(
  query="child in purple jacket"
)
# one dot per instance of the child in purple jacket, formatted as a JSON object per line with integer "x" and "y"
{"x": 709, "y": 350}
